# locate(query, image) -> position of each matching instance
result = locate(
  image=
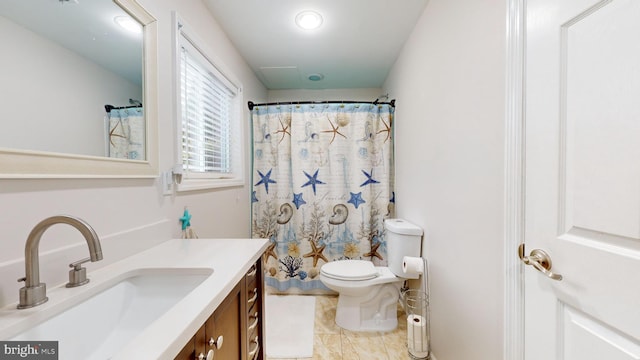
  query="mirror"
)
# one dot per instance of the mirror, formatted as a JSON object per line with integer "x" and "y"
{"x": 78, "y": 96}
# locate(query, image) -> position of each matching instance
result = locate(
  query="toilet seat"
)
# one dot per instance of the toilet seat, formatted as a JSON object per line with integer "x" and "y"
{"x": 350, "y": 270}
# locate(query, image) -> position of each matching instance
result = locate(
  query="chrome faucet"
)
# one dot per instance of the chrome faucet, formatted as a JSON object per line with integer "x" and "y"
{"x": 34, "y": 292}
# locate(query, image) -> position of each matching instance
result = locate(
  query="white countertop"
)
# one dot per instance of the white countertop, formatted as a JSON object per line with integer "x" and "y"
{"x": 230, "y": 259}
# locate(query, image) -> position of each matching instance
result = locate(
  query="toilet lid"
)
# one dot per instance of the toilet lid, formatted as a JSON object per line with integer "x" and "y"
{"x": 349, "y": 270}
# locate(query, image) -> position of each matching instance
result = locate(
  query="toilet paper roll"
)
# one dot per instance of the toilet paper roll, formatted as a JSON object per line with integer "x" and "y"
{"x": 417, "y": 336}
{"x": 412, "y": 267}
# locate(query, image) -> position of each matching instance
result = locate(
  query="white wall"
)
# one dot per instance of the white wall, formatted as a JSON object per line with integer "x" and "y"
{"x": 449, "y": 85}
{"x": 365, "y": 94}
{"x": 57, "y": 93}
{"x": 128, "y": 215}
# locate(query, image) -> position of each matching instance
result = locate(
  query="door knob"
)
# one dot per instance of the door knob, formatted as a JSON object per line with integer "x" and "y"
{"x": 540, "y": 260}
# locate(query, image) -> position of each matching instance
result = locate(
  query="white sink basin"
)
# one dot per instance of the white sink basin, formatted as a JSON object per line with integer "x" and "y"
{"x": 103, "y": 323}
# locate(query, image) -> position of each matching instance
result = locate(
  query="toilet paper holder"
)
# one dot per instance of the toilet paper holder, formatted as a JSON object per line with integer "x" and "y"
{"x": 416, "y": 305}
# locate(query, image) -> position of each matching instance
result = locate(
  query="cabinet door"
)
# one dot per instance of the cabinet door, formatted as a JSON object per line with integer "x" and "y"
{"x": 226, "y": 323}
{"x": 194, "y": 347}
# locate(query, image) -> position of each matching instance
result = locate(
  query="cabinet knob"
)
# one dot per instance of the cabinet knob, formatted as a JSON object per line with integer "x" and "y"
{"x": 217, "y": 342}
{"x": 208, "y": 357}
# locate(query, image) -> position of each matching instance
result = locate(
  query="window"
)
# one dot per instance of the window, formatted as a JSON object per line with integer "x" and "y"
{"x": 209, "y": 118}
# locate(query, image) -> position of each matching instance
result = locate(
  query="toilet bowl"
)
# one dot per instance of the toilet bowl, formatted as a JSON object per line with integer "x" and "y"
{"x": 368, "y": 294}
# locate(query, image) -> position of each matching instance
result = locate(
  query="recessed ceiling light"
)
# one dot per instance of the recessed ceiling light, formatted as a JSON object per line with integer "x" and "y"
{"x": 315, "y": 77}
{"x": 309, "y": 20}
{"x": 128, "y": 24}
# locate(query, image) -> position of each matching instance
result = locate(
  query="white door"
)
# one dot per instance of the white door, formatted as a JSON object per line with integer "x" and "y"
{"x": 582, "y": 202}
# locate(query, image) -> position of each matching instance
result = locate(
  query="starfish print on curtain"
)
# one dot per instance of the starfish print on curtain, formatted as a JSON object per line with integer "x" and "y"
{"x": 316, "y": 253}
{"x": 335, "y": 130}
{"x": 313, "y": 180}
{"x": 266, "y": 180}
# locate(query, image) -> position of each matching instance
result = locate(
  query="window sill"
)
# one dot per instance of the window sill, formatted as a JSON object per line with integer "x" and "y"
{"x": 205, "y": 184}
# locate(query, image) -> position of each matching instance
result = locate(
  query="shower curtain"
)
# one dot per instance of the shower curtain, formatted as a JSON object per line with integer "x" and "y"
{"x": 322, "y": 187}
{"x": 127, "y": 133}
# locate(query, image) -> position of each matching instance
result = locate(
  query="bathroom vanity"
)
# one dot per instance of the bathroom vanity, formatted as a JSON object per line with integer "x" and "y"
{"x": 166, "y": 302}
{"x": 235, "y": 329}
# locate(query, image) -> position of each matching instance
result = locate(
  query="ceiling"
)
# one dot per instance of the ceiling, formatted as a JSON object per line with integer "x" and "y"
{"x": 355, "y": 47}
{"x": 85, "y": 27}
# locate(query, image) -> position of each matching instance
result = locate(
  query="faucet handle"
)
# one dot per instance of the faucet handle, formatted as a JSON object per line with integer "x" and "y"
{"x": 22, "y": 279}
{"x": 77, "y": 274}
{"x": 77, "y": 265}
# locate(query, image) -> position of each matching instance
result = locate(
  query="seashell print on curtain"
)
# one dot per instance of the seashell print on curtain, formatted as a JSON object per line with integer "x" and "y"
{"x": 322, "y": 187}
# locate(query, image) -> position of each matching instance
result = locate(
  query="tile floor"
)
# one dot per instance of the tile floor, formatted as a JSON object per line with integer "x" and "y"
{"x": 334, "y": 343}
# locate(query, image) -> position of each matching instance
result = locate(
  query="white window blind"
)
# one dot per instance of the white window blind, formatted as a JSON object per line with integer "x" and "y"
{"x": 207, "y": 104}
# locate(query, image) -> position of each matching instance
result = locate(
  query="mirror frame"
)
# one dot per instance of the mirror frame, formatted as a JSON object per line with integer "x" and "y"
{"x": 25, "y": 164}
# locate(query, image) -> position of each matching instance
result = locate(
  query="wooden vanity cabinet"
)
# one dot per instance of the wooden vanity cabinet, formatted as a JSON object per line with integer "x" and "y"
{"x": 235, "y": 329}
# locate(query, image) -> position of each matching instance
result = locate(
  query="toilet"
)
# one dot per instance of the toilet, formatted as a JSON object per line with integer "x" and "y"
{"x": 368, "y": 294}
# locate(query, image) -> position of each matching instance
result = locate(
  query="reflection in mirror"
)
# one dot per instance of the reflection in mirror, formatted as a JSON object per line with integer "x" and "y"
{"x": 52, "y": 86}
{"x": 64, "y": 61}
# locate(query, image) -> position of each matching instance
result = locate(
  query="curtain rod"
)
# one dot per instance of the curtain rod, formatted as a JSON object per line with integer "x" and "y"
{"x": 108, "y": 108}
{"x": 252, "y": 104}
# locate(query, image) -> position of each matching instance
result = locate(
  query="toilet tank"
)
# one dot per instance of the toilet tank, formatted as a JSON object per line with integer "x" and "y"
{"x": 403, "y": 239}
